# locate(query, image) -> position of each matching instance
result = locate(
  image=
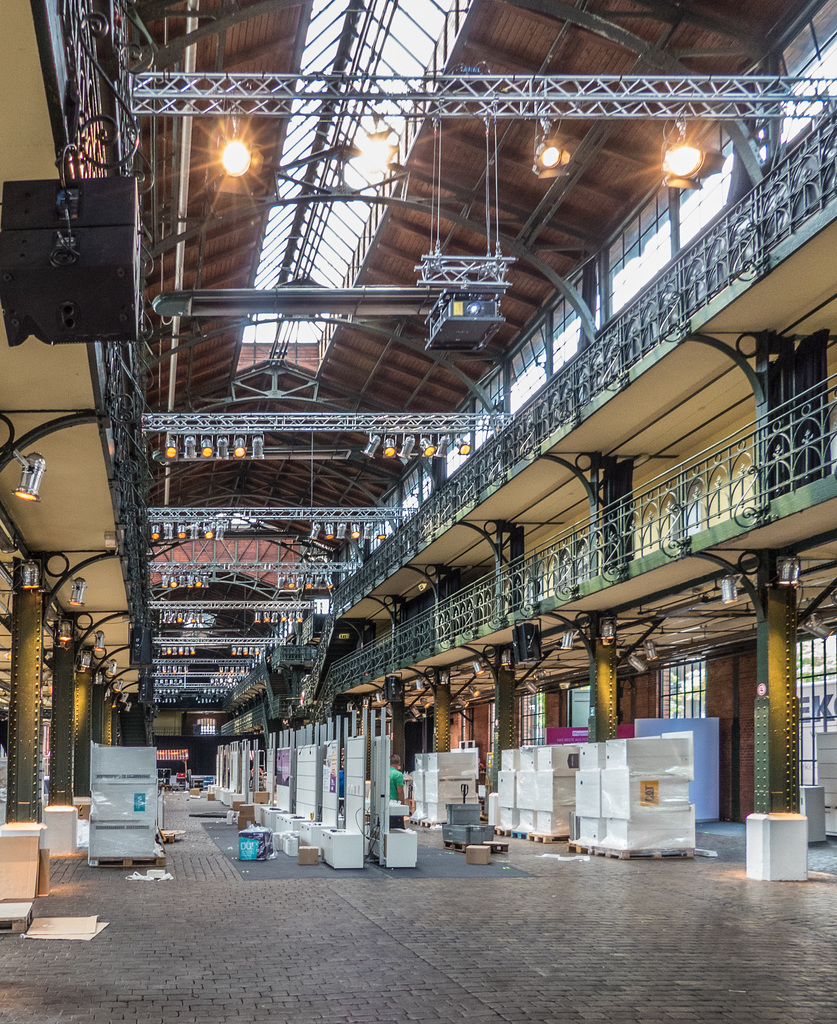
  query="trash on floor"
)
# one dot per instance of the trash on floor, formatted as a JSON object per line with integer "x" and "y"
{"x": 152, "y": 875}
{"x": 557, "y": 856}
{"x": 79, "y": 928}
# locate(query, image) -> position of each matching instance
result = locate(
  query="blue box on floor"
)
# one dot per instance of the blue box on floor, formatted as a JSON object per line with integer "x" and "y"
{"x": 255, "y": 844}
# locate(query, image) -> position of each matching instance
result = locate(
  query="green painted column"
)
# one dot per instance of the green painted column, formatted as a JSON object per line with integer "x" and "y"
{"x": 442, "y": 717}
{"x": 62, "y": 731}
{"x": 107, "y": 732}
{"x": 777, "y": 706}
{"x": 24, "y": 803}
{"x": 98, "y": 713}
{"x": 83, "y": 692}
{"x": 503, "y": 733}
{"x": 603, "y": 710}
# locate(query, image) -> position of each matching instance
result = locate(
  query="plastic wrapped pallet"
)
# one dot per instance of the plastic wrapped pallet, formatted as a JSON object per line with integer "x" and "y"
{"x": 553, "y": 791}
{"x": 526, "y": 820}
{"x": 625, "y": 794}
{"x": 507, "y": 788}
{"x": 592, "y": 755}
{"x": 255, "y": 844}
{"x": 418, "y": 785}
{"x": 123, "y": 808}
{"x": 526, "y": 789}
{"x": 121, "y": 839}
{"x": 527, "y": 758}
{"x": 561, "y": 758}
{"x": 553, "y": 823}
{"x": 675, "y": 832}
{"x": 588, "y": 793}
{"x": 671, "y": 754}
{"x": 510, "y": 760}
{"x": 592, "y": 831}
{"x": 509, "y": 817}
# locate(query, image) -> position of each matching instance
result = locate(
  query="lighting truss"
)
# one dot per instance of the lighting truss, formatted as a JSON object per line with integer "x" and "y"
{"x": 282, "y": 568}
{"x": 314, "y": 514}
{"x": 474, "y": 273}
{"x": 459, "y": 95}
{"x": 188, "y": 607}
{"x": 217, "y": 641}
{"x": 218, "y": 664}
{"x": 182, "y": 424}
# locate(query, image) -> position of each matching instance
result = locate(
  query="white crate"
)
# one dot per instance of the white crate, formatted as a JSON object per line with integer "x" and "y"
{"x": 507, "y": 788}
{"x": 526, "y": 789}
{"x": 509, "y": 817}
{"x": 626, "y": 794}
{"x": 592, "y": 755}
{"x": 561, "y": 758}
{"x": 628, "y": 835}
{"x": 527, "y": 758}
{"x": 553, "y": 791}
{"x": 592, "y": 831}
{"x": 553, "y": 823}
{"x": 672, "y": 754}
{"x": 510, "y": 760}
{"x": 588, "y": 793}
{"x": 526, "y": 820}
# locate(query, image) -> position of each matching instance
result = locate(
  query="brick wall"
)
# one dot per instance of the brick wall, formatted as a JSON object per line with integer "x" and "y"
{"x": 730, "y": 697}
{"x": 638, "y": 698}
{"x": 555, "y": 714}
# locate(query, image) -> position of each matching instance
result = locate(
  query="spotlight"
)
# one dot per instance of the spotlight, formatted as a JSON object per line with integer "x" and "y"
{"x": 257, "y": 617}
{"x": 552, "y": 154}
{"x": 428, "y": 447}
{"x": 390, "y": 448}
{"x": 568, "y": 639}
{"x": 315, "y": 531}
{"x": 258, "y": 447}
{"x": 222, "y": 448}
{"x": 239, "y": 448}
{"x": 638, "y": 662}
{"x": 372, "y": 445}
{"x": 442, "y": 447}
{"x": 341, "y": 531}
{"x": 788, "y": 569}
{"x": 194, "y": 530}
{"x": 168, "y": 531}
{"x": 79, "y": 585}
{"x": 684, "y": 165}
{"x": 65, "y": 631}
{"x": 478, "y": 667}
{"x": 155, "y": 532}
{"x": 181, "y": 531}
{"x": 816, "y": 626}
{"x": 729, "y": 590}
{"x": 171, "y": 449}
{"x": 329, "y": 531}
{"x": 375, "y": 152}
{"x": 208, "y": 531}
{"x": 85, "y": 659}
{"x": 407, "y": 446}
{"x": 32, "y": 472}
{"x": 356, "y": 532}
{"x": 382, "y": 532}
{"x": 463, "y": 446}
{"x": 99, "y": 643}
{"x": 206, "y": 447}
{"x": 112, "y": 668}
{"x": 190, "y": 447}
{"x": 235, "y": 158}
{"x": 173, "y": 582}
{"x": 219, "y": 530}
{"x": 30, "y": 575}
{"x": 607, "y": 631}
{"x": 650, "y": 650}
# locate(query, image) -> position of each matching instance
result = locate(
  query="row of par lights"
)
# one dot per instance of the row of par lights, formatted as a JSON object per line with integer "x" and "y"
{"x": 178, "y": 617}
{"x": 194, "y": 531}
{"x": 357, "y": 531}
{"x": 221, "y": 670}
{"x": 30, "y": 579}
{"x": 429, "y": 447}
{"x": 245, "y": 651}
{"x": 214, "y": 448}
{"x": 186, "y": 579}
{"x": 268, "y": 618}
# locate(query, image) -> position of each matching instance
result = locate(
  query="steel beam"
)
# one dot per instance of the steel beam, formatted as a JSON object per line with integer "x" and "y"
{"x": 83, "y": 731}
{"x": 441, "y": 714}
{"x": 464, "y": 95}
{"x": 603, "y": 693}
{"x": 24, "y": 802}
{"x": 62, "y": 728}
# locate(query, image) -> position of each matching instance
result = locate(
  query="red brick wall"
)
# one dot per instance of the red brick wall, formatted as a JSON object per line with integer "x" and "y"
{"x": 554, "y": 713}
{"x": 638, "y": 698}
{"x": 482, "y": 729}
{"x": 736, "y": 729}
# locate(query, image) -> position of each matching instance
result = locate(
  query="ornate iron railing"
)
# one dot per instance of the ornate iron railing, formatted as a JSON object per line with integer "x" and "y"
{"x": 293, "y": 654}
{"x": 737, "y": 247}
{"x": 255, "y": 681}
{"x": 253, "y": 718}
{"x": 734, "y": 483}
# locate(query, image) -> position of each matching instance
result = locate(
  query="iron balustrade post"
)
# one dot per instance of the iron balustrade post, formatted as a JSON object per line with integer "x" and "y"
{"x": 83, "y": 716}
{"x": 61, "y": 731}
{"x": 24, "y": 801}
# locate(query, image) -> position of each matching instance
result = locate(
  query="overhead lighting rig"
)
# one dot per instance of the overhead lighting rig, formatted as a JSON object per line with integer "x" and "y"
{"x": 194, "y": 607}
{"x": 300, "y": 569}
{"x": 466, "y": 315}
{"x": 168, "y": 517}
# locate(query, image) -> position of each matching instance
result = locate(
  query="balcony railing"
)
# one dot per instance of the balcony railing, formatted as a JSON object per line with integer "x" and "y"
{"x": 738, "y": 247}
{"x": 735, "y": 484}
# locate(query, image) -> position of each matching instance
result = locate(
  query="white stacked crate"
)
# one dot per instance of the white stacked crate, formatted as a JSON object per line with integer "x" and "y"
{"x": 420, "y": 812}
{"x": 445, "y": 775}
{"x": 123, "y": 811}
{"x": 827, "y": 777}
{"x": 546, "y": 789}
{"x": 643, "y": 795}
{"x": 507, "y": 789}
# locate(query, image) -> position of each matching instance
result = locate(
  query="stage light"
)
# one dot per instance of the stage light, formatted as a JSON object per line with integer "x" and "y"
{"x": 206, "y": 447}
{"x": 463, "y": 446}
{"x": 190, "y": 447}
{"x": 79, "y": 585}
{"x": 173, "y": 582}
{"x": 372, "y": 445}
{"x": 171, "y": 449}
{"x": 607, "y": 631}
{"x": 684, "y": 165}
{"x": 329, "y": 531}
{"x": 816, "y": 626}
{"x": 258, "y": 447}
{"x": 155, "y": 531}
{"x": 729, "y": 590}
{"x": 168, "y": 531}
{"x": 30, "y": 575}
{"x": 208, "y": 531}
{"x": 788, "y": 569}
{"x": 194, "y": 531}
{"x": 315, "y": 531}
{"x": 552, "y": 155}
{"x": 65, "y": 631}
{"x": 478, "y": 667}
{"x": 428, "y": 447}
{"x": 390, "y": 448}
{"x": 341, "y": 531}
{"x": 568, "y": 639}
{"x": 376, "y": 151}
{"x": 32, "y": 472}
{"x": 356, "y": 532}
{"x": 442, "y": 447}
{"x": 367, "y": 531}
{"x": 407, "y": 446}
{"x": 112, "y": 668}
{"x": 99, "y": 643}
{"x": 239, "y": 448}
{"x": 85, "y": 659}
{"x": 235, "y": 158}
{"x": 222, "y": 448}
{"x": 637, "y": 662}
{"x": 682, "y": 161}
{"x": 382, "y": 532}
{"x": 181, "y": 531}
{"x": 650, "y": 650}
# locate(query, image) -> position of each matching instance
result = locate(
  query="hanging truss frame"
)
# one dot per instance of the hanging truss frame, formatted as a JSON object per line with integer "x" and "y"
{"x": 315, "y": 514}
{"x": 181, "y": 424}
{"x": 230, "y": 606}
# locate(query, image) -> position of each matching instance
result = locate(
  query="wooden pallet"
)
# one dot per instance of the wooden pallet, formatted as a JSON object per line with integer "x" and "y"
{"x": 171, "y": 835}
{"x": 128, "y": 862}
{"x": 15, "y": 925}
{"x": 428, "y": 824}
{"x": 516, "y": 834}
{"x": 501, "y": 831}
{"x": 543, "y": 837}
{"x": 450, "y": 844}
{"x": 497, "y": 846}
{"x": 601, "y": 851}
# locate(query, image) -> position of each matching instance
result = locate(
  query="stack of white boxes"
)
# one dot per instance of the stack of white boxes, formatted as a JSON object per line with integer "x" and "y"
{"x": 507, "y": 789}
{"x": 827, "y": 777}
{"x": 444, "y": 776}
{"x": 633, "y": 794}
{"x": 420, "y": 811}
{"x": 123, "y": 812}
{"x": 546, "y": 789}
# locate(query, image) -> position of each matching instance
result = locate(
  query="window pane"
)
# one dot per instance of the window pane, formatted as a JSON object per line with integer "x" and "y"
{"x": 683, "y": 690}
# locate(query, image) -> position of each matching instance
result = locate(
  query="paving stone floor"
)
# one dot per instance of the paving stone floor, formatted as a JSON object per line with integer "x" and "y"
{"x": 575, "y": 942}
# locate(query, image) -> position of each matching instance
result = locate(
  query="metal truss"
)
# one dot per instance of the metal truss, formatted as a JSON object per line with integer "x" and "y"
{"x": 312, "y": 514}
{"x": 216, "y": 641}
{"x": 230, "y": 606}
{"x": 468, "y": 273}
{"x": 177, "y": 667}
{"x": 282, "y": 568}
{"x": 461, "y": 95}
{"x": 180, "y": 424}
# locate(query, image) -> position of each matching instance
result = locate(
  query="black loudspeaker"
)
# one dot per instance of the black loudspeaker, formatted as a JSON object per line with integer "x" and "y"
{"x": 145, "y": 693}
{"x": 70, "y": 261}
{"x": 142, "y": 655}
{"x": 526, "y": 642}
{"x": 393, "y": 688}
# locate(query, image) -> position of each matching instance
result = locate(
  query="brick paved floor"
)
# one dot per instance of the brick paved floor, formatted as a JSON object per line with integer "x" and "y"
{"x": 639, "y": 942}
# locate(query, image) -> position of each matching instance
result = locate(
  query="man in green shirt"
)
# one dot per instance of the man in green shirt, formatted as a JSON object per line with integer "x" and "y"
{"x": 396, "y": 789}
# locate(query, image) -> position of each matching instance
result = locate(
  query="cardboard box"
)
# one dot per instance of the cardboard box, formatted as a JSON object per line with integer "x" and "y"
{"x": 195, "y": 791}
{"x": 309, "y": 855}
{"x": 246, "y": 815}
{"x": 477, "y": 854}
{"x": 18, "y": 867}
{"x": 210, "y": 796}
{"x": 83, "y": 803}
{"x": 261, "y": 798}
{"x": 43, "y": 873}
{"x": 238, "y": 804}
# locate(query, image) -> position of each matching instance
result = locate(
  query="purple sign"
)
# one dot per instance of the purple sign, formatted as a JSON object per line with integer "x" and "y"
{"x": 283, "y": 766}
{"x": 578, "y": 734}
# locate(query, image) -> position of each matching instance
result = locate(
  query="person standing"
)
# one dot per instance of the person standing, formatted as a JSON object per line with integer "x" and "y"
{"x": 396, "y": 790}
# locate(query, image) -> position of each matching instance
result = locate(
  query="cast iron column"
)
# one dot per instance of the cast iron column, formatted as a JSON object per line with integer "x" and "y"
{"x": 603, "y": 714}
{"x": 503, "y": 737}
{"x": 396, "y": 708}
{"x": 24, "y": 802}
{"x": 61, "y": 733}
{"x": 97, "y": 716}
{"x": 777, "y": 706}
{"x": 83, "y": 729}
{"x": 442, "y": 717}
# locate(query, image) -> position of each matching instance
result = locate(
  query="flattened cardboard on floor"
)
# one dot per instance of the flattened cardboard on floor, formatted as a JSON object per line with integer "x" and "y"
{"x": 80, "y": 928}
{"x": 43, "y": 873}
{"x": 18, "y": 867}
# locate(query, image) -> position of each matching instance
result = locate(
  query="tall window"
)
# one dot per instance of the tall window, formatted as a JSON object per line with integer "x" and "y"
{"x": 683, "y": 690}
{"x": 206, "y": 726}
{"x": 532, "y": 719}
{"x": 640, "y": 251}
{"x": 816, "y": 686}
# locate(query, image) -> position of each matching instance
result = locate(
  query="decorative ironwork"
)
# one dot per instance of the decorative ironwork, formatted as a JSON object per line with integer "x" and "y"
{"x": 737, "y": 247}
{"x": 733, "y": 484}
{"x": 468, "y": 94}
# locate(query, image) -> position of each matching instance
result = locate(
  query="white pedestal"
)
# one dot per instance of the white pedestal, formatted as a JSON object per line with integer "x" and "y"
{"x": 493, "y": 809}
{"x": 777, "y": 847}
{"x": 342, "y": 849}
{"x": 401, "y": 848}
{"x": 61, "y": 829}
{"x": 311, "y": 833}
{"x": 25, "y": 828}
{"x": 812, "y": 805}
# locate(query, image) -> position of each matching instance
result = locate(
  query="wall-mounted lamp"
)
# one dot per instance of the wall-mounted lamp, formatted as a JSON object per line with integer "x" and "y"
{"x": 79, "y": 585}
{"x": 32, "y": 469}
